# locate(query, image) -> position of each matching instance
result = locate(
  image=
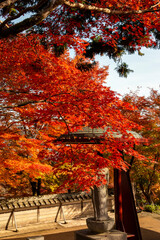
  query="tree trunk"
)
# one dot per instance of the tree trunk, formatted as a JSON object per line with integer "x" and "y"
{"x": 39, "y": 187}
{"x": 146, "y": 194}
{"x": 34, "y": 190}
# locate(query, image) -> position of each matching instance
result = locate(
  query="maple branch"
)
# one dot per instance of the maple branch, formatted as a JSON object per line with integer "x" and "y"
{"x": 23, "y": 104}
{"x": 28, "y": 102}
{"x": 11, "y": 124}
{"x": 13, "y": 91}
{"x": 64, "y": 120}
{"x": 69, "y": 132}
{"x": 82, "y": 110}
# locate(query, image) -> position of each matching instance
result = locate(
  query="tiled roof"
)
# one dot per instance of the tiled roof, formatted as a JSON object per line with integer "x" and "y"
{"x": 96, "y": 135}
{"x": 7, "y": 205}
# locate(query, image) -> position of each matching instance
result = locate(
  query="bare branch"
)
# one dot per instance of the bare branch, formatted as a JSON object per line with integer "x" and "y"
{"x": 158, "y": 3}
{"x": 109, "y": 11}
{"x": 87, "y": 7}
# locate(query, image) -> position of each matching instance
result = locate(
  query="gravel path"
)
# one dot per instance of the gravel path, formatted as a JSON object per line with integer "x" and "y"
{"x": 150, "y": 226}
{"x": 149, "y": 223}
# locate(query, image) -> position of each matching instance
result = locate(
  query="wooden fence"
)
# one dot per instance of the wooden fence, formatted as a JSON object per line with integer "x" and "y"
{"x": 46, "y": 208}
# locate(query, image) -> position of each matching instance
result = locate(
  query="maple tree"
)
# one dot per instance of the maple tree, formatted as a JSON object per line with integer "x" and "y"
{"x": 147, "y": 114}
{"x": 37, "y": 109}
{"x": 43, "y": 97}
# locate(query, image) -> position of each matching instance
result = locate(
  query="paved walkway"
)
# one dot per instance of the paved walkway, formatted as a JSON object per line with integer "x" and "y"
{"x": 150, "y": 228}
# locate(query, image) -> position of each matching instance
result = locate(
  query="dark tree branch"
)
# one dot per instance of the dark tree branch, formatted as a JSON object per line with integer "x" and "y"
{"x": 29, "y": 9}
{"x": 50, "y": 5}
{"x": 132, "y": 160}
{"x": 31, "y": 21}
{"x": 152, "y": 177}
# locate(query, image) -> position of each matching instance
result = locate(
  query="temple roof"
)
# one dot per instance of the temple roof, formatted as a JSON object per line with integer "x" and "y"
{"x": 89, "y": 135}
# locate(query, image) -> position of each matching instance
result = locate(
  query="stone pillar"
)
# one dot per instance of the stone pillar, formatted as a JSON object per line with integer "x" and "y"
{"x": 100, "y": 227}
{"x": 101, "y": 222}
{"x": 100, "y": 198}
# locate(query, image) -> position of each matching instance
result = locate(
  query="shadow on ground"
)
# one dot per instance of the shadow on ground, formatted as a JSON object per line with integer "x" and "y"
{"x": 146, "y": 235}
{"x": 56, "y": 236}
{"x": 149, "y": 234}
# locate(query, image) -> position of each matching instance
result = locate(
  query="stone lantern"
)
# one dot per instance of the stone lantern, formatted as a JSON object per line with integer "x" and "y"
{"x": 100, "y": 227}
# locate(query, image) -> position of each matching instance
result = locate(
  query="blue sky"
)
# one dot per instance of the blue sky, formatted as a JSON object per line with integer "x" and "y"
{"x": 146, "y": 72}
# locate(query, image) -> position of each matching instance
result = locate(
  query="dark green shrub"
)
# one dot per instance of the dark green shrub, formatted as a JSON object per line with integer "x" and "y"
{"x": 150, "y": 208}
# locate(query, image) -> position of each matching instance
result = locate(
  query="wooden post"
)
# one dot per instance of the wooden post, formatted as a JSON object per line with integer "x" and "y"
{"x": 130, "y": 218}
{"x": 118, "y": 200}
{"x": 60, "y": 210}
{"x": 12, "y": 215}
{"x": 81, "y": 206}
{"x": 38, "y": 213}
{"x": 125, "y": 211}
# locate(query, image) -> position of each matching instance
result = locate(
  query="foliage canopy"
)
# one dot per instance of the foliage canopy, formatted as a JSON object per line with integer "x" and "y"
{"x": 42, "y": 98}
